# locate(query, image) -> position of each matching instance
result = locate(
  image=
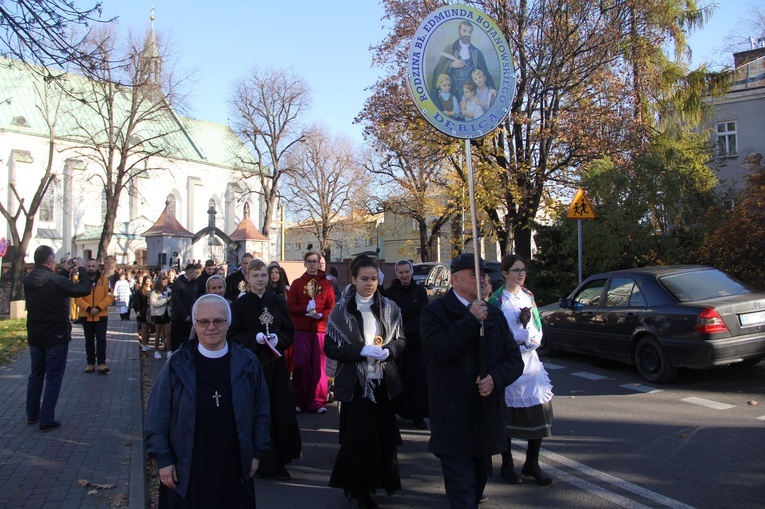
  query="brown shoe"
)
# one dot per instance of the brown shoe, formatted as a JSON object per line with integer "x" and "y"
{"x": 103, "y": 369}
{"x": 90, "y": 368}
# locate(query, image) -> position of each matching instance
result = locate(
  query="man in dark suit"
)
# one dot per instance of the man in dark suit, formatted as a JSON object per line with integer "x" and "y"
{"x": 467, "y": 409}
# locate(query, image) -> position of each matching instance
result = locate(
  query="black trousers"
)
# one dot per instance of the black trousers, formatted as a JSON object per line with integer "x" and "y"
{"x": 95, "y": 341}
{"x": 464, "y": 480}
{"x": 179, "y": 333}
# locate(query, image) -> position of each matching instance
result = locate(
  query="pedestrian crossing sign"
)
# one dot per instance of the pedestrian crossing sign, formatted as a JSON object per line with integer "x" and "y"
{"x": 580, "y": 207}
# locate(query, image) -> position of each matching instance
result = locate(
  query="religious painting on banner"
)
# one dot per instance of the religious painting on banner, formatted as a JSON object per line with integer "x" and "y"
{"x": 460, "y": 72}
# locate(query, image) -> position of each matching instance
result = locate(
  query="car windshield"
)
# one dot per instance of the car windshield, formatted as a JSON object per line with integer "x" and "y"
{"x": 422, "y": 270}
{"x": 700, "y": 285}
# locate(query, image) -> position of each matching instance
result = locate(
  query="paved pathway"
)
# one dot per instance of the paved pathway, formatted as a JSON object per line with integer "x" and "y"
{"x": 100, "y": 439}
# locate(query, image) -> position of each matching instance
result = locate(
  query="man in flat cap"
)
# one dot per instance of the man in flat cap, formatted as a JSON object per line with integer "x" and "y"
{"x": 466, "y": 409}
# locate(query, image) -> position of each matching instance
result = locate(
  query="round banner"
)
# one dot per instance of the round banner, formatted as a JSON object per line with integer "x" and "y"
{"x": 460, "y": 72}
{"x": 3, "y": 247}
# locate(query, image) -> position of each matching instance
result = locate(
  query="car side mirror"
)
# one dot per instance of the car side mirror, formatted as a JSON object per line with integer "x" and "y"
{"x": 565, "y": 303}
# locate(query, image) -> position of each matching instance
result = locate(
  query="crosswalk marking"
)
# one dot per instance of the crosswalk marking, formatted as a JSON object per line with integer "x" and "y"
{"x": 641, "y": 388}
{"x": 610, "y": 479}
{"x": 550, "y": 365}
{"x": 589, "y": 376}
{"x": 708, "y": 403}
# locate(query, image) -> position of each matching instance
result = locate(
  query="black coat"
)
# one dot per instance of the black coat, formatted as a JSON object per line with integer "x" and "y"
{"x": 348, "y": 355}
{"x": 460, "y": 425}
{"x": 47, "y": 299}
{"x": 232, "y": 285}
{"x": 411, "y": 299}
{"x": 185, "y": 293}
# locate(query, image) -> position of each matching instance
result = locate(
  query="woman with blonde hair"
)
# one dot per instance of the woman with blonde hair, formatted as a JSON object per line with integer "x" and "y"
{"x": 159, "y": 301}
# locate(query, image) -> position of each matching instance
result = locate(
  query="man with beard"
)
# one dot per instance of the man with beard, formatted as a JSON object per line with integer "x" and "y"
{"x": 185, "y": 293}
{"x": 94, "y": 315}
{"x": 463, "y": 58}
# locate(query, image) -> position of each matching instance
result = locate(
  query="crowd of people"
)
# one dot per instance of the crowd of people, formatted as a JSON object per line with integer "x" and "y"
{"x": 242, "y": 364}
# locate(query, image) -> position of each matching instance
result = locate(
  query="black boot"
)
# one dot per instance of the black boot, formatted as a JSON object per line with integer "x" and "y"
{"x": 507, "y": 472}
{"x": 531, "y": 467}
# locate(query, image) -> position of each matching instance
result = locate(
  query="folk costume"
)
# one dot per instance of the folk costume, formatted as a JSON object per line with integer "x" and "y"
{"x": 528, "y": 399}
{"x": 369, "y": 434}
{"x": 250, "y": 313}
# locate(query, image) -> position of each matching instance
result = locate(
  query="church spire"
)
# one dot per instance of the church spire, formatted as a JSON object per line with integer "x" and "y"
{"x": 151, "y": 58}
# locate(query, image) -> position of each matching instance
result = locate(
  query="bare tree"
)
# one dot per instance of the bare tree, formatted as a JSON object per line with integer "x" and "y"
{"x": 748, "y": 34}
{"x": 21, "y": 216}
{"x": 124, "y": 126}
{"x": 268, "y": 106}
{"x": 325, "y": 186}
{"x": 44, "y": 31}
{"x": 410, "y": 163}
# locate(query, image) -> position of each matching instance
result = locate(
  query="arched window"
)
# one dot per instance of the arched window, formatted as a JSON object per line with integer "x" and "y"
{"x": 171, "y": 203}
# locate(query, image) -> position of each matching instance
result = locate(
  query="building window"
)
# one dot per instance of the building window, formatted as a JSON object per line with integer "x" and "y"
{"x": 47, "y": 205}
{"x": 171, "y": 203}
{"x": 726, "y": 139}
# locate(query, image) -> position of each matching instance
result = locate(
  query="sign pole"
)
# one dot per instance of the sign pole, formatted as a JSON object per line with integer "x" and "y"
{"x": 482, "y": 361}
{"x": 579, "y": 246}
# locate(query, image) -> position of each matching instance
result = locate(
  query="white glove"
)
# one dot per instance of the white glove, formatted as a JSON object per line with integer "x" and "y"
{"x": 311, "y": 306}
{"x": 260, "y": 338}
{"x": 371, "y": 351}
{"x": 384, "y": 353}
{"x": 521, "y": 336}
{"x": 273, "y": 339}
{"x": 531, "y": 345}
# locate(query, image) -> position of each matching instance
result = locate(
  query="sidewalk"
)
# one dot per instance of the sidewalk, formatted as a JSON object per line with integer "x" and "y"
{"x": 100, "y": 439}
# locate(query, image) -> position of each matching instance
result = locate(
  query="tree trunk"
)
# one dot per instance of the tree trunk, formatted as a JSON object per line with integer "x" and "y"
{"x": 17, "y": 273}
{"x": 108, "y": 231}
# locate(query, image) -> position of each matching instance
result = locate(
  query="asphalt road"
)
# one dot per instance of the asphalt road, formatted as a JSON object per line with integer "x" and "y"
{"x": 697, "y": 443}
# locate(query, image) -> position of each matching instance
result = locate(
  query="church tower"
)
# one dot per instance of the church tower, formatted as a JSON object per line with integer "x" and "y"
{"x": 150, "y": 60}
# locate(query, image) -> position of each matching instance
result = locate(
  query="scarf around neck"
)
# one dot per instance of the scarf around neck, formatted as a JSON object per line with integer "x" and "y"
{"x": 342, "y": 326}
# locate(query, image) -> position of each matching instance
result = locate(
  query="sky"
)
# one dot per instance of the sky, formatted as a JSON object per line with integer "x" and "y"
{"x": 326, "y": 42}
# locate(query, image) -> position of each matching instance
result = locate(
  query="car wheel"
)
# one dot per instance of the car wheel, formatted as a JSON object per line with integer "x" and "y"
{"x": 652, "y": 361}
{"x": 545, "y": 348}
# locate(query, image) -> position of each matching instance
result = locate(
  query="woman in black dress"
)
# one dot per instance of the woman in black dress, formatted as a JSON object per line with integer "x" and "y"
{"x": 411, "y": 298}
{"x": 364, "y": 334}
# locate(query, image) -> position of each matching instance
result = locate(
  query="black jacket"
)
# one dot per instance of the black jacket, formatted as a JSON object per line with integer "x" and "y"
{"x": 47, "y": 299}
{"x": 185, "y": 293}
{"x": 232, "y": 285}
{"x": 460, "y": 425}
{"x": 411, "y": 299}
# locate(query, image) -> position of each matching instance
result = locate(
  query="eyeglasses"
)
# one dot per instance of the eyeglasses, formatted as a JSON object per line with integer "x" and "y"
{"x": 312, "y": 261}
{"x": 204, "y": 323}
{"x": 517, "y": 271}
